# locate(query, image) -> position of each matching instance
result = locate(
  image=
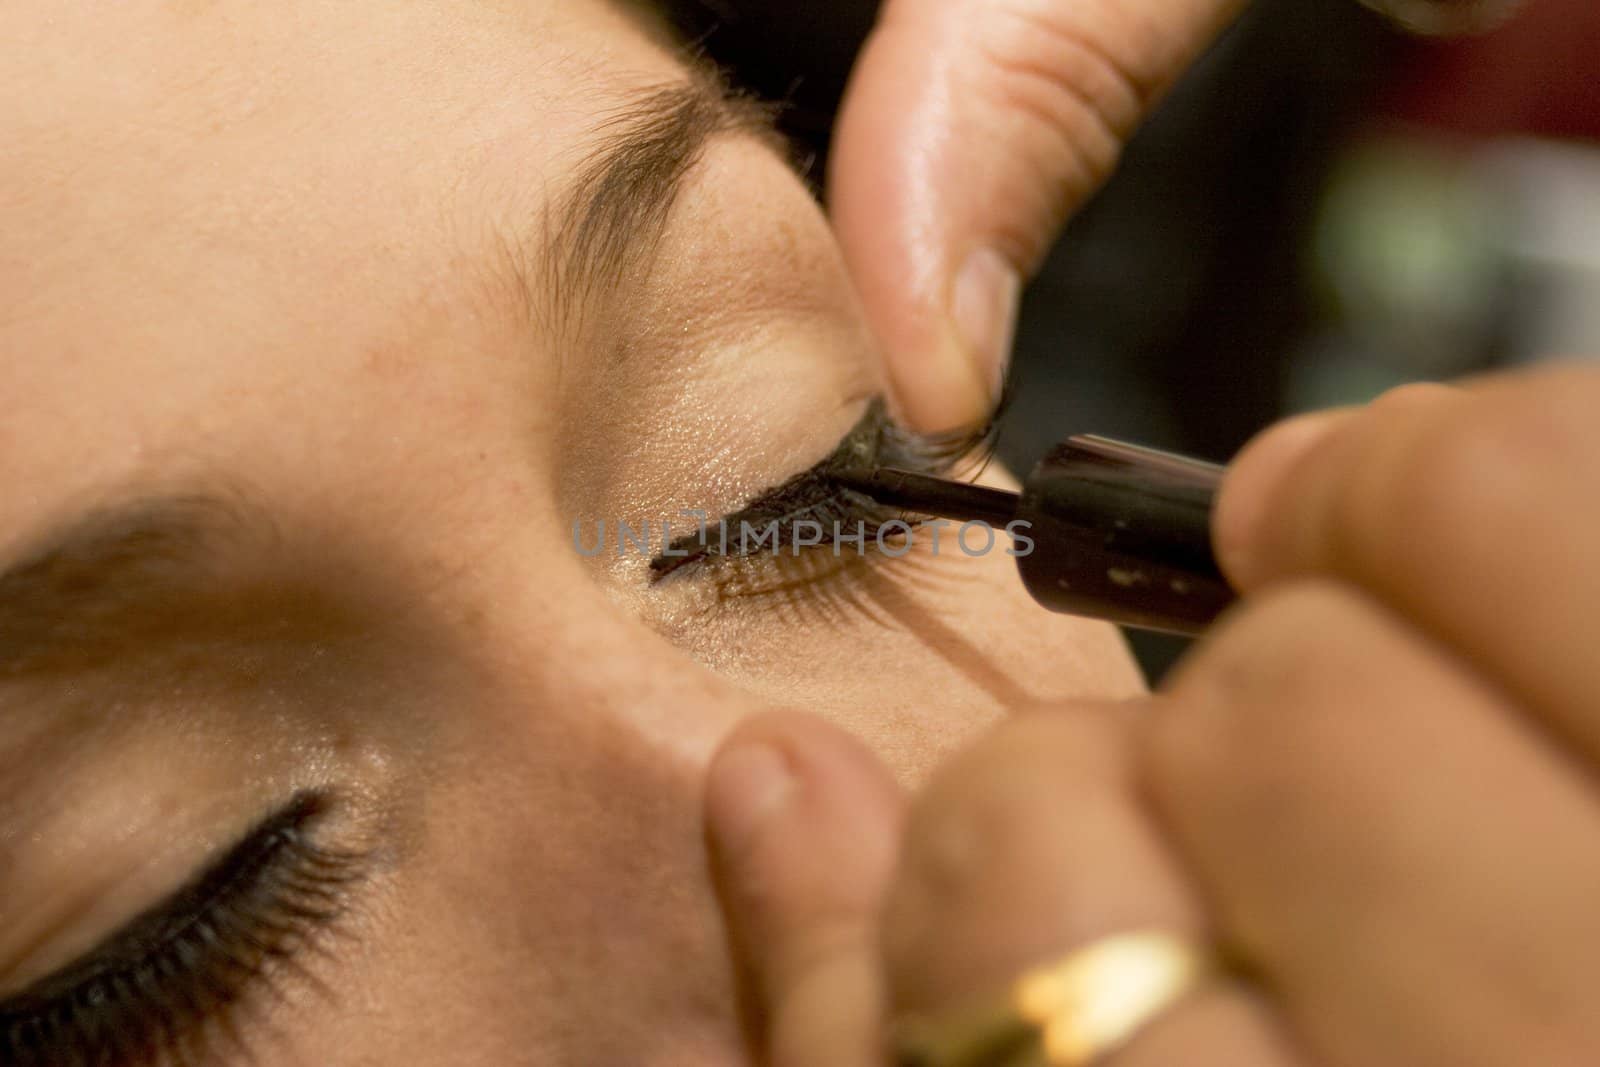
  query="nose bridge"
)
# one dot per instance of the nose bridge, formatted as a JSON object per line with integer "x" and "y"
{"x": 584, "y": 881}
{"x": 570, "y": 663}
{"x": 630, "y": 724}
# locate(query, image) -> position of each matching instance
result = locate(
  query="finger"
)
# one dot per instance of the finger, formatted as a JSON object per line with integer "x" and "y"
{"x": 969, "y": 132}
{"x": 1410, "y": 868}
{"x": 1033, "y": 844}
{"x": 1227, "y": 1024}
{"x": 804, "y": 824}
{"x": 1472, "y": 512}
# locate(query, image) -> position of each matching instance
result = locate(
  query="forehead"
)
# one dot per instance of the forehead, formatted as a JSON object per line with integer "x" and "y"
{"x": 148, "y": 136}
{"x": 206, "y": 116}
{"x": 210, "y": 210}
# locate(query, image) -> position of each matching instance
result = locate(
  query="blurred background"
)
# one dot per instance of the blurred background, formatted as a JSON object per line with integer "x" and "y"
{"x": 1324, "y": 208}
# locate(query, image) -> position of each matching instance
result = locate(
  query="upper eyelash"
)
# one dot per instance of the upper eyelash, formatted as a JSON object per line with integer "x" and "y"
{"x": 875, "y": 441}
{"x": 149, "y": 988}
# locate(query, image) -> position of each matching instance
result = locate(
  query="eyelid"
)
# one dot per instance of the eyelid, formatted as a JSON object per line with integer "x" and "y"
{"x": 813, "y": 495}
{"x": 154, "y": 983}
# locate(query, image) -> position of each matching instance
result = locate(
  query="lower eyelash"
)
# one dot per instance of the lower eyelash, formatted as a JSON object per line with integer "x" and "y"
{"x": 150, "y": 990}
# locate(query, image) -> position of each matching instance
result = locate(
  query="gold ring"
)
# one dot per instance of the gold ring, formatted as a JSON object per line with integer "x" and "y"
{"x": 1071, "y": 1013}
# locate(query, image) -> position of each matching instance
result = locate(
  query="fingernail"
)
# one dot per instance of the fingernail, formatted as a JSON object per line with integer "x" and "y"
{"x": 750, "y": 783}
{"x": 1252, "y": 483}
{"x": 983, "y": 302}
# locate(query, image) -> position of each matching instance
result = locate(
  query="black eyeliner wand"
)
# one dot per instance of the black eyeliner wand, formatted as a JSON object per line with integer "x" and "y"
{"x": 1118, "y": 531}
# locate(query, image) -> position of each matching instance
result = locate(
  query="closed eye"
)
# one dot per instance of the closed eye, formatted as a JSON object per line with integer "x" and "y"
{"x": 147, "y": 993}
{"x": 770, "y": 520}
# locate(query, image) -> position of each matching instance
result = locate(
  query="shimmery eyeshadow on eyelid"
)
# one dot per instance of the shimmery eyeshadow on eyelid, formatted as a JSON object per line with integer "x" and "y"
{"x": 875, "y": 441}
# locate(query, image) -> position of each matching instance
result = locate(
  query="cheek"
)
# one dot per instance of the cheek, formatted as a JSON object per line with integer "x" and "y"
{"x": 916, "y": 656}
{"x": 560, "y": 869}
{"x": 964, "y": 646}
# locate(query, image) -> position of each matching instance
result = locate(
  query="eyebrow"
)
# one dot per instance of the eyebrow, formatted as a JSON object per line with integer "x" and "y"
{"x": 80, "y": 596}
{"x": 611, "y": 219}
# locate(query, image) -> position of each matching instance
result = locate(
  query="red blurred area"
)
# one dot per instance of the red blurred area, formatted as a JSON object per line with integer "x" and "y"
{"x": 1539, "y": 74}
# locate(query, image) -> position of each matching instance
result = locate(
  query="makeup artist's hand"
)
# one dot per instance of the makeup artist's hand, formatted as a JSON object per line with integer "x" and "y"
{"x": 1377, "y": 782}
{"x": 969, "y": 133}
{"x": 971, "y": 130}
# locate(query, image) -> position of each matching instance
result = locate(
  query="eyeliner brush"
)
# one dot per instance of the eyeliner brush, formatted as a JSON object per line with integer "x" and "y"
{"x": 1101, "y": 528}
{"x": 932, "y": 496}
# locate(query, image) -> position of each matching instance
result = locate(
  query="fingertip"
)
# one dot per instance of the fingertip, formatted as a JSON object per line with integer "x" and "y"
{"x": 1253, "y": 485}
{"x": 798, "y": 778}
{"x": 804, "y": 825}
{"x": 938, "y": 391}
{"x": 941, "y": 299}
{"x": 750, "y": 782}
{"x": 984, "y": 300}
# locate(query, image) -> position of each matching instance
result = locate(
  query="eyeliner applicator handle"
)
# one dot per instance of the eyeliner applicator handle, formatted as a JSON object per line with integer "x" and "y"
{"x": 1123, "y": 532}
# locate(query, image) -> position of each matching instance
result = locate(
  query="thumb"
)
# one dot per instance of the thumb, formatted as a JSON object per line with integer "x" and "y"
{"x": 969, "y": 133}
{"x": 804, "y": 824}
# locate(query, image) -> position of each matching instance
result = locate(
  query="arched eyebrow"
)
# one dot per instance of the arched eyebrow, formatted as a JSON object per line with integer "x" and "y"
{"x": 92, "y": 589}
{"x": 610, "y": 220}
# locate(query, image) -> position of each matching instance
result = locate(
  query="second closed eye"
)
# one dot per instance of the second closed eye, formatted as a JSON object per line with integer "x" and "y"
{"x": 149, "y": 990}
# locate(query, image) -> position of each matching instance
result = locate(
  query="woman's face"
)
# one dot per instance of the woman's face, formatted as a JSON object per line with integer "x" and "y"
{"x": 319, "y": 737}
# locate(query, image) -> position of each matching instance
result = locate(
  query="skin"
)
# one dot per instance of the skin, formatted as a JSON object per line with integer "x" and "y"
{"x": 1373, "y": 784}
{"x": 264, "y": 255}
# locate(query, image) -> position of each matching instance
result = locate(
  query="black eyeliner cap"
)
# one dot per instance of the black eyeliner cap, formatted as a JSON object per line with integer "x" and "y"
{"x": 1123, "y": 532}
